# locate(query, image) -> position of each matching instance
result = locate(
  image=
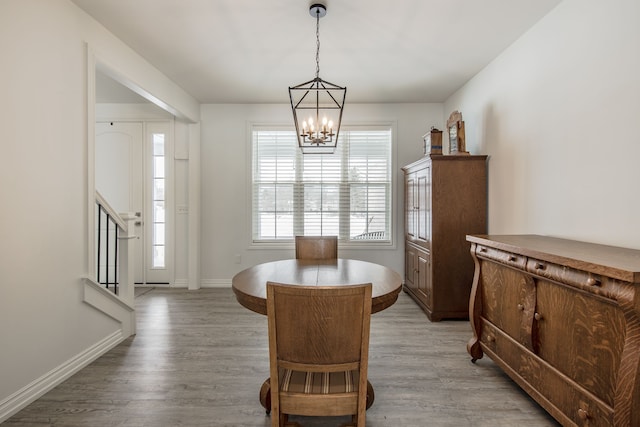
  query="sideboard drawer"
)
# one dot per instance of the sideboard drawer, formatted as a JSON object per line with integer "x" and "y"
{"x": 589, "y": 282}
{"x": 507, "y": 258}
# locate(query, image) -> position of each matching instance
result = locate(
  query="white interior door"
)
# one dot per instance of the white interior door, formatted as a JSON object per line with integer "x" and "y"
{"x": 120, "y": 176}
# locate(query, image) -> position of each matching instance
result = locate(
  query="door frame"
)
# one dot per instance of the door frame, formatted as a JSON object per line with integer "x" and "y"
{"x": 120, "y": 69}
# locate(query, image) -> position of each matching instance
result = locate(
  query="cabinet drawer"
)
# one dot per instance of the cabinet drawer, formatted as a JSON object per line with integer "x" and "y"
{"x": 557, "y": 393}
{"x": 589, "y": 282}
{"x": 507, "y": 258}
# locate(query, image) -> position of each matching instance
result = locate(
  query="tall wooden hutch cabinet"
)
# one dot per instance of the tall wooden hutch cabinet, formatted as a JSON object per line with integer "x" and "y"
{"x": 445, "y": 199}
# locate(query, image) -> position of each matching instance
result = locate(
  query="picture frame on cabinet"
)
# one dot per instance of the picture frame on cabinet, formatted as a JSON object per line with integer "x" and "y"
{"x": 455, "y": 130}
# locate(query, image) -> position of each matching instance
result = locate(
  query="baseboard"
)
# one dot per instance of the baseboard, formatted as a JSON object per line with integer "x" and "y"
{"x": 32, "y": 391}
{"x": 180, "y": 283}
{"x": 215, "y": 283}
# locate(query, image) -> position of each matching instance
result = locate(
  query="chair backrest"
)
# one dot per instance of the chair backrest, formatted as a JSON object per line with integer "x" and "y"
{"x": 319, "y": 325}
{"x": 318, "y": 329}
{"x": 316, "y": 247}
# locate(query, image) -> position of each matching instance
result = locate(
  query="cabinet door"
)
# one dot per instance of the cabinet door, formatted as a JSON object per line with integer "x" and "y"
{"x": 508, "y": 300}
{"x": 410, "y": 205}
{"x": 580, "y": 335}
{"x": 424, "y": 278}
{"x": 410, "y": 268}
{"x": 423, "y": 187}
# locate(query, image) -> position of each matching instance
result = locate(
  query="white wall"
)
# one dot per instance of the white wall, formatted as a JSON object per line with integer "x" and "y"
{"x": 556, "y": 112}
{"x": 226, "y": 175}
{"x": 43, "y": 186}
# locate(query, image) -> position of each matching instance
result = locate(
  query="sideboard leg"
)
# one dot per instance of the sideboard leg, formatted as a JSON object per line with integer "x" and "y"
{"x": 475, "y": 307}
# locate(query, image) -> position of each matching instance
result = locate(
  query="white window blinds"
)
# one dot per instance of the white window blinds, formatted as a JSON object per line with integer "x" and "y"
{"x": 347, "y": 193}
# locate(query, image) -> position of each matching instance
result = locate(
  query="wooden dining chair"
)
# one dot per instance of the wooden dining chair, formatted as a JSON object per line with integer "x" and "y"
{"x": 316, "y": 247}
{"x": 318, "y": 351}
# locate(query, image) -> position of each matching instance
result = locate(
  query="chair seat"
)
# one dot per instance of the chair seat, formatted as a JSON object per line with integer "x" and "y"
{"x": 318, "y": 382}
{"x": 265, "y": 395}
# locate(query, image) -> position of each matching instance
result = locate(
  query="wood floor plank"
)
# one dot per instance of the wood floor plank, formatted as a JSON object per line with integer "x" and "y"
{"x": 199, "y": 358}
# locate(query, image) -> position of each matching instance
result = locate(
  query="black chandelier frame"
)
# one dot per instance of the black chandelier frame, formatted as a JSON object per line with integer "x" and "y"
{"x": 320, "y": 98}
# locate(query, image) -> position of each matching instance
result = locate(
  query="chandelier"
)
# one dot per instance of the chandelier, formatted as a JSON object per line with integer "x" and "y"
{"x": 317, "y": 105}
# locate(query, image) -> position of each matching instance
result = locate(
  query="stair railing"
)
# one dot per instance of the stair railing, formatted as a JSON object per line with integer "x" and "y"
{"x": 112, "y": 246}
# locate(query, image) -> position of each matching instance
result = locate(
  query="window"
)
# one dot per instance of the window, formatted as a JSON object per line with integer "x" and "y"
{"x": 347, "y": 193}
{"x": 158, "y": 213}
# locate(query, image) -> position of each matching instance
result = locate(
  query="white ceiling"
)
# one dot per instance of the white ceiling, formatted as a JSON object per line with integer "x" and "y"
{"x": 250, "y": 51}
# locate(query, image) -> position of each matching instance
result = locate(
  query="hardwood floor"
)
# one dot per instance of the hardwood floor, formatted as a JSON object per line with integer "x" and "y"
{"x": 199, "y": 359}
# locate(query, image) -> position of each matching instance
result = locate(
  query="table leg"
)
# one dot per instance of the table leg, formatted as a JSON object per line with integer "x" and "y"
{"x": 265, "y": 395}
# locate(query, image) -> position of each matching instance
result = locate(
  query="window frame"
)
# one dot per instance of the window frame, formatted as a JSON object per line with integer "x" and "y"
{"x": 351, "y": 243}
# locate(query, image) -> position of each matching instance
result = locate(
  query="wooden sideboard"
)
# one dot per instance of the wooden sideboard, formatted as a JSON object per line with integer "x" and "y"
{"x": 445, "y": 199}
{"x": 562, "y": 319}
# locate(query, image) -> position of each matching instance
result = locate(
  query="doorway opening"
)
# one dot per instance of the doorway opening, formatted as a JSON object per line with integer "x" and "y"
{"x": 133, "y": 172}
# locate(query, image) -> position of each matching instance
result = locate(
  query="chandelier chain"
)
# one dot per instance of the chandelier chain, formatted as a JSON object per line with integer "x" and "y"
{"x": 317, "y": 43}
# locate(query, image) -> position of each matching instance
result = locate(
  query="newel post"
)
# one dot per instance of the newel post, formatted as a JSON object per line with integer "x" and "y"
{"x": 126, "y": 260}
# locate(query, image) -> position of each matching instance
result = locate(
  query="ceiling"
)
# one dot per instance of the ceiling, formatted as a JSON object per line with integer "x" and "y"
{"x": 250, "y": 51}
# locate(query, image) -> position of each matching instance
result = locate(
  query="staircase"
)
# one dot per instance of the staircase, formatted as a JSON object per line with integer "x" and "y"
{"x": 111, "y": 291}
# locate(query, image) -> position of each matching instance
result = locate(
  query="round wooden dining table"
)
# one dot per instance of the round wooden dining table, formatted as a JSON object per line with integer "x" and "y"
{"x": 250, "y": 285}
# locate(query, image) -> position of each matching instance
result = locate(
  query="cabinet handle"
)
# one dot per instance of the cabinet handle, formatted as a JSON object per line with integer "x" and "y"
{"x": 512, "y": 258}
{"x": 539, "y": 266}
{"x": 537, "y": 316}
{"x": 583, "y": 414}
{"x": 483, "y": 249}
{"x": 520, "y": 307}
{"x": 592, "y": 281}
{"x": 491, "y": 338}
